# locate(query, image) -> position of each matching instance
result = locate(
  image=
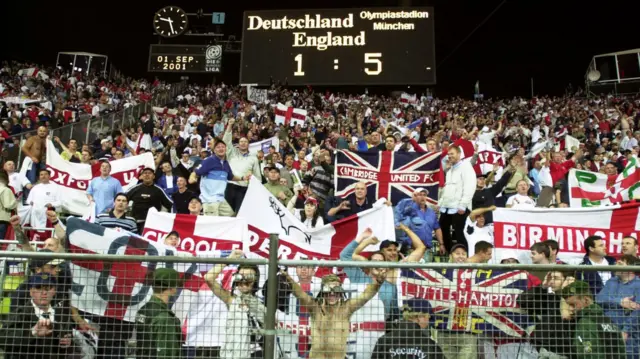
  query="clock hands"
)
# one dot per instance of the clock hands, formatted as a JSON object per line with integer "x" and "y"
{"x": 170, "y": 23}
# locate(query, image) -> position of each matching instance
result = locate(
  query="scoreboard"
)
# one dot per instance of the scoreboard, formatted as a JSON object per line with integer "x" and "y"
{"x": 372, "y": 46}
{"x": 185, "y": 58}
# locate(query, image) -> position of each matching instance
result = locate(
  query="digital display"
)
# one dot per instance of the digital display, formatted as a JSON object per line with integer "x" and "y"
{"x": 185, "y": 58}
{"x": 373, "y": 46}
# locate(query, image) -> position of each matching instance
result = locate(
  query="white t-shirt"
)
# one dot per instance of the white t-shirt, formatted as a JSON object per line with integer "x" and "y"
{"x": 486, "y": 137}
{"x": 477, "y": 234}
{"x": 521, "y": 202}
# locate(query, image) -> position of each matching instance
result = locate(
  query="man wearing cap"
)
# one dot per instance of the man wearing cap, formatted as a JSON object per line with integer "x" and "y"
{"x": 39, "y": 328}
{"x": 409, "y": 338}
{"x": 415, "y": 213}
{"x": 458, "y": 253}
{"x": 241, "y": 161}
{"x": 158, "y": 333}
{"x": 146, "y": 195}
{"x": 596, "y": 336}
{"x": 216, "y": 173}
{"x": 282, "y": 193}
{"x": 102, "y": 189}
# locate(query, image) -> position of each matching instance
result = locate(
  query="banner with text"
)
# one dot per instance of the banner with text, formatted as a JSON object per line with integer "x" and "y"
{"x": 517, "y": 230}
{"x": 73, "y": 178}
{"x": 592, "y": 189}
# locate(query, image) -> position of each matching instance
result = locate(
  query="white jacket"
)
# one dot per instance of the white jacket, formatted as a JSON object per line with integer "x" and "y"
{"x": 460, "y": 185}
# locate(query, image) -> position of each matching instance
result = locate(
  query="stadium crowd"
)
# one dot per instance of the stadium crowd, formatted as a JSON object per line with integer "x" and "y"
{"x": 201, "y": 149}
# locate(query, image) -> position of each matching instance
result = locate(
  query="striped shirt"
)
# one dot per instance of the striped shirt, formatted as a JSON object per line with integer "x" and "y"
{"x": 109, "y": 220}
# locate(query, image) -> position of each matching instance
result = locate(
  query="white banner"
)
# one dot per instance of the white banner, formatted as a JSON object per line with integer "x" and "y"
{"x": 73, "y": 178}
{"x": 264, "y": 145}
{"x": 517, "y": 230}
{"x": 257, "y": 95}
{"x": 265, "y": 214}
{"x": 198, "y": 233}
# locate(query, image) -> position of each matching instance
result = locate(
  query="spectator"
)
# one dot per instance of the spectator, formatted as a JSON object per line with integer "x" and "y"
{"x": 167, "y": 181}
{"x": 320, "y": 177}
{"x": 521, "y": 199}
{"x": 458, "y": 254}
{"x": 216, "y": 172}
{"x": 484, "y": 196}
{"x": 476, "y": 228}
{"x": 103, "y": 189}
{"x": 421, "y": 219}
{"x": 158, "y": 333}
{"x": 483, "y": 252}
{"x": 17, "y": 180}
{"x": 146, "y": 195}
{"x": 69, "y": 152}
{"x": 342, "y": 208}
{"x": 241, "y": 161}
{"x": 596, "y": 335}
{"x": 409, "y": 338}
{"x": 38, "y": 328}
{"x": 36, "y": 149}
{"x": 619, "y": 298}
{"x": 310, "y": 215}
{"x": 239, "y": 342}
{"x": 630, "y": 246}
{"x": 195, "y": 206}
{"x": 7, "y": 203}
{"x": 42, "y": 196}
{"x": 455, "y": 201}
{"x": 595, "y": 247}
{"x": 182, "y": 196}
{"x": 281, "y": 192}
{"x": 117, "y": 218}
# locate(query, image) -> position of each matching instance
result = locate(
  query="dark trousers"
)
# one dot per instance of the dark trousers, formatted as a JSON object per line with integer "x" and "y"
{"x": 456, "y": 222}
{"x": 113, "y": 336}
{"x": 235, "y": 195}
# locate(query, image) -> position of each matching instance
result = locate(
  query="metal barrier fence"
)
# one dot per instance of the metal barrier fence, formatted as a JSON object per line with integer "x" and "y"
{"x": 86, "y": 129}
{"x": 136, "y": 306}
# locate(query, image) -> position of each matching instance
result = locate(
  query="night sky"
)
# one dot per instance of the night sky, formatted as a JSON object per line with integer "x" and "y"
{"x": 551, "y": 41}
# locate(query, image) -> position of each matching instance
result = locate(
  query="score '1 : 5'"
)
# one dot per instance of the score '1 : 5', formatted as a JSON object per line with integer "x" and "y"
{"x": 369, "y": 58}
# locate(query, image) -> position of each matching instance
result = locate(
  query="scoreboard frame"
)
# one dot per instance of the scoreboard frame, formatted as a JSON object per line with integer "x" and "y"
{"x": 185, "y": 58}
{"x": 325, "y": 47}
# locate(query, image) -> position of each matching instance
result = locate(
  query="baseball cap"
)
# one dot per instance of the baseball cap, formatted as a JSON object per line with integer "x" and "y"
{"x": 387, "y": 243}
{"x": 312, "y": 201}
{"x": 166, "y": 278}
{"x": 576, "y": 288}
{"x": 42, "y": 279}
{"x": 196, "y": 198}
{"x": 421, "y": 189}
{"x": 270, "y": 167}
{"x": 173, "y": 233}
{"x": 41, "y": 262}
{"x": 148, "y": 169}
{"x": 459, "y": 245}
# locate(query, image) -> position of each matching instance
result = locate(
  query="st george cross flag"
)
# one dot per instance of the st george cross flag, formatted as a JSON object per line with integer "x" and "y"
{"x": 592, "y": 189}
{"x": 166, "y": 111}
{"x": 33, "y": 72}
{"x": 265, "y": 214}
{"x": 516, "y": 230}
{"x": 290, "y": 116}
{"x": 197, "y": 233}
{"x": 391, "y": 175}
{"x": 118, "y": 289}
{"x": 73, "y": 178}
{"x": 407, "y": 99}
{"x": 466, "y": 300}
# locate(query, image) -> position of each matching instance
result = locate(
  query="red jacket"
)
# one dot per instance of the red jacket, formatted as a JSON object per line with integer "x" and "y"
{"x": 559, "y": 170}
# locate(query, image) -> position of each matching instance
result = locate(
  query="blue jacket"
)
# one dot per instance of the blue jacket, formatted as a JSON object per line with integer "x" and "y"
{"x": 593, "y": 278}
{"x": 421, "y": 223}
{"x": 610, "y": 297}
{"x": 162, "y": 183}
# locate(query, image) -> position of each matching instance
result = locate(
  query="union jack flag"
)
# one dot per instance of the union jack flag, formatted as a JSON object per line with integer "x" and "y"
{"x": 478, "y": 301}
{"x": 391, "y": 175}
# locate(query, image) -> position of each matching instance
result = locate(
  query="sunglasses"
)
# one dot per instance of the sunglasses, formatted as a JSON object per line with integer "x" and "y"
{"x": 243, "y": 279}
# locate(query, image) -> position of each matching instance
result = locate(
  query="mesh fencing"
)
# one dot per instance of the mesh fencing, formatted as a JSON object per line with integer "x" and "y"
{"x": 133, "y": 306}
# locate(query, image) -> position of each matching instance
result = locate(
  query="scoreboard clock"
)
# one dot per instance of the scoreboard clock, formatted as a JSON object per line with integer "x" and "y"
{"x": 185, "y": 58}
{"x": 366, "y": 46}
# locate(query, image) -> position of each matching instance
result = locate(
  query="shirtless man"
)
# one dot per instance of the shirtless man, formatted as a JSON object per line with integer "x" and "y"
{"x": 331, "y": 313}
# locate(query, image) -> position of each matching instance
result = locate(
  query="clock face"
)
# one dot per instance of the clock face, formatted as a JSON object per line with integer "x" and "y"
{"x": 170, "y": 21}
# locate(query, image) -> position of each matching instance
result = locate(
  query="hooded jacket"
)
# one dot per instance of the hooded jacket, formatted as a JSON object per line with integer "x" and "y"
{"x": 406, "y": 341}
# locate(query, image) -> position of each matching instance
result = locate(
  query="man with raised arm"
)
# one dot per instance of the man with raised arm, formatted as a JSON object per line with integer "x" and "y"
{"x": 331, "y": 312}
